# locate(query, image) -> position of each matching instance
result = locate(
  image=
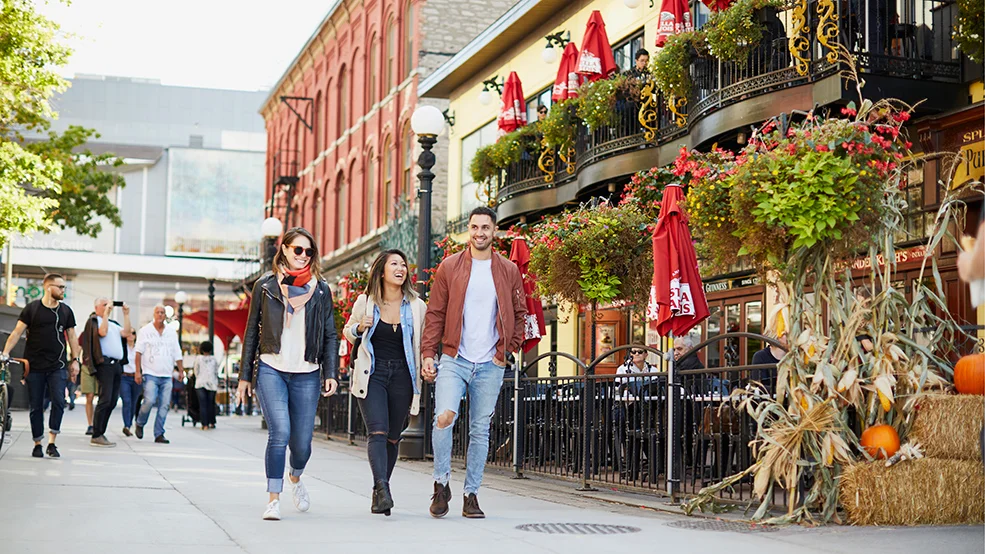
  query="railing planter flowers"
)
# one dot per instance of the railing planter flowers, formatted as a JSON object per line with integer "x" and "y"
{"x": 490, "y": 161}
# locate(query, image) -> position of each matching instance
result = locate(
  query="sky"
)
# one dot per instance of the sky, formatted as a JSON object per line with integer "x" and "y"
{"x": 240, "y": 45}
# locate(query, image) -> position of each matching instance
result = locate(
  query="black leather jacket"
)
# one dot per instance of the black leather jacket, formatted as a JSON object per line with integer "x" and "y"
{"x": 266, "y": 323}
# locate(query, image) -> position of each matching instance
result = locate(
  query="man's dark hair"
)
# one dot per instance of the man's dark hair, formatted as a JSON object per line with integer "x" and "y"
{"x": 205, "y": 348}
{"x": 51, "y": 277}
{"x": 483, "y": 210}
{"x": 641, "y": 52}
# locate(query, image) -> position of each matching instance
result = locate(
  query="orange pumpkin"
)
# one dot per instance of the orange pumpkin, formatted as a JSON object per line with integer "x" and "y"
{"x": 880, "y": 437}
{"x": 969, "y": 374}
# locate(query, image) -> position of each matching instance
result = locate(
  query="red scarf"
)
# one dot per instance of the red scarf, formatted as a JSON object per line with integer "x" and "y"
{"x": 296, "y": 277}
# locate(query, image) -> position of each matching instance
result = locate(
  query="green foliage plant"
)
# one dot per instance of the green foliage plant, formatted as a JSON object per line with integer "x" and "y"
{"x": 671, "y": 66}
{"x": 733, "y": 32}
{"x": 969, "y": 29}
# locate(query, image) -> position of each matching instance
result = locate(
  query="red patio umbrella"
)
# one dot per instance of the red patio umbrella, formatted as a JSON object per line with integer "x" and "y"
{"x": 568, "y": 80}
{"x": 224, "y": 333}
{"x": 675, "y": 18}
{"x": 596, "y": 60}
{"x": 534, "y": 327}
{"x": 513, "y": 114}
{"x": 717, "y": 5}
{"x": 677, "y": 296}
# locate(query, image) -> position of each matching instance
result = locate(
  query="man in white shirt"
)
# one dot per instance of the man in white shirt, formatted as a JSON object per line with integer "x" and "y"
{"x": 157, "y": 352}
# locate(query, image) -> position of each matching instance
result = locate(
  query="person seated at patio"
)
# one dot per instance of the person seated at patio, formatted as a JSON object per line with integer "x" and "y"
{"x": 710, "y": 383}
{"x": 626, "y": 414}
{"x": 771, "y": 355}
{"x": 541, "y": 113}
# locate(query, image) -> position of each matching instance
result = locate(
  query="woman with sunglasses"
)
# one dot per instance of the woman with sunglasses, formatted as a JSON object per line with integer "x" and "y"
{"x": 626, "y": 414}
{"x": 386, "y": 325}
{"x": 290, "y": 357}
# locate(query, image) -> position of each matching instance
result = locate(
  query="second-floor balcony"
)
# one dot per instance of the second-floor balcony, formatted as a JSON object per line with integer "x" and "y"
{"x": 904, "y": 53}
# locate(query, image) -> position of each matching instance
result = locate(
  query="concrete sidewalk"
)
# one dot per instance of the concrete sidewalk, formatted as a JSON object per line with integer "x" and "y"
{"x": 205, "y": 492}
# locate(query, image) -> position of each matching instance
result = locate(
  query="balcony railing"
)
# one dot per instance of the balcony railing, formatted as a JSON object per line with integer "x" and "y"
{"x": 800, "y": 45}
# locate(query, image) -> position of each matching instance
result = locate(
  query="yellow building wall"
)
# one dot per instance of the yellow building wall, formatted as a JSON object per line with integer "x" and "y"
{"x": 535, "y": 75}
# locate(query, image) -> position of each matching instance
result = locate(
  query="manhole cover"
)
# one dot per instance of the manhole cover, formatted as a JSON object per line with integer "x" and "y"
{"x": 720, "y": 525}
{"x": 577, "y": 528}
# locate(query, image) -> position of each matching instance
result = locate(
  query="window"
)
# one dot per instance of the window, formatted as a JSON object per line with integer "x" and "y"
{"x": 370, "y": 191}
{"x": 483, "y": 137}
{"x": 917, "y": 223}
{"x": 542, "y": 98}
{"x": 316, "y": 124}
{"x": 343, "y": 101}
{"x": 343, "y": 217}
{"x": 374, "y": 67}
{"x": 326, "y": 128}
{"x": 387, "y": 196}
{"x": 299, "y": 145}
{"x": 410, "y": 55}
{"x": 408, "y": 161}
{"x": 391, "y": 47}
{"x": 625, "y": 51}
{"x": 319, "y": 217}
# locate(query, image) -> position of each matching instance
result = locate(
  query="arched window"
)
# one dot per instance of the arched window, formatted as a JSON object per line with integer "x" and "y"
{"x": 408, "y": 162}
{"x": 341, "y": 236}
{"x": 374, "y": 67}
{"x": 387, "y": 192}
{"x": 327, "y": 114}
{"x": 410, "y": 55}
{"x": 319, "y": 218}
{"x": 391, "y": 57}
{"x": 316, "y": 125}
{"x": 343, "y": 101}
{"x": 370, "y": 192}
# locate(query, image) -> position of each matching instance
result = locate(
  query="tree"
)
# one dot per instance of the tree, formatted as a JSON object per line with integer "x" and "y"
{"x": 43, "y": 183}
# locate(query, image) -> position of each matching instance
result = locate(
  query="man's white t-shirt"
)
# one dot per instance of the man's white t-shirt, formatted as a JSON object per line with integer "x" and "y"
{"x": 158, "y": 351}
{"x": 479, "y": 332}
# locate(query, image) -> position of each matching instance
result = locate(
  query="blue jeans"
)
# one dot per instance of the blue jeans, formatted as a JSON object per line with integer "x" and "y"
{"x": 289, "y": 402}
{"x": 157, "y": 392}
{"x": 456, "y": 377}
{"x": 38, "y": 383}
{"x": 129, "y": 392}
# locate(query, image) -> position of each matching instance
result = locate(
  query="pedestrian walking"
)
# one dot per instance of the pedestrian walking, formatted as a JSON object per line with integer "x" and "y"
{"x": 290, "y": 352}
{"x": 157, "y": 352}
{"x": 89, "y": 387}
{"x": 50, "y": 326}
{"x": 385, "y": 329}
{"x": 104, "y": 352}
{"x": 476, "y": 312}
{"x": 206, "y": 384}
{"x": 129, "y": 389}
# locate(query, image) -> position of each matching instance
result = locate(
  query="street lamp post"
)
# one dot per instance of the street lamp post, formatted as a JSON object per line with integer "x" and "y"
{"x": 181, "y": 297}
{"x": 427, "y": 122}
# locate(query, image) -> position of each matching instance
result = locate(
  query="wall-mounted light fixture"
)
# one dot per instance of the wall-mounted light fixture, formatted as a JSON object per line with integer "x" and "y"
{"x": 559, "y": 39}
{"x": 449, "y": 117}
{"x": 485, "y": 97}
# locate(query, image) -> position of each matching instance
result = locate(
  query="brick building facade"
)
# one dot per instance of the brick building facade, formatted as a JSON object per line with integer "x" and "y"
{"x": 355, "y": 84}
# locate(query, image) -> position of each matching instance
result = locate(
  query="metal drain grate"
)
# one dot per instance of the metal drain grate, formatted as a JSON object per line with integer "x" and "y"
{"x": 577, "y": 528}
{"x": 720, "y": 525}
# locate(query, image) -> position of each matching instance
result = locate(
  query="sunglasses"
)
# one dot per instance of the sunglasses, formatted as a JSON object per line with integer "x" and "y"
{"x": 309, "y": 252}
{"x": 636, "y": 352}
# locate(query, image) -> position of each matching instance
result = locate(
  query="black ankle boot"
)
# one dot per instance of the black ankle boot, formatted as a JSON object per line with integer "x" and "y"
{"x": 382, "y": 501}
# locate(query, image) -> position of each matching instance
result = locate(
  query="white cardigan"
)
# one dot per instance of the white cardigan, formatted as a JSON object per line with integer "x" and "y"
{"x": 359, "y": 379}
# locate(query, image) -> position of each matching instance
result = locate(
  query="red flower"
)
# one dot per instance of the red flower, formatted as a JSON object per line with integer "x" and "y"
{"x": 849, "y": 112}
{"x": 822, "y": 148}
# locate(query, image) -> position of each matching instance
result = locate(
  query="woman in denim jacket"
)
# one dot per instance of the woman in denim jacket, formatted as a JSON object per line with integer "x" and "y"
{"x": 386, "y": 322}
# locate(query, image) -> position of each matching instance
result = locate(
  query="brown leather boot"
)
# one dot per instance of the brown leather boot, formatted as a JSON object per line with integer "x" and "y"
{"x": 440, "y": 499}
{"x": 470, "y": 508}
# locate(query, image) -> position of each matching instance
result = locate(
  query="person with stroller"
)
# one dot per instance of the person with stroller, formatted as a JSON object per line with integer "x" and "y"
{"x": 206, "y": 383}
{"x": 290, "y": 352}
{"x": 385, "y": 327}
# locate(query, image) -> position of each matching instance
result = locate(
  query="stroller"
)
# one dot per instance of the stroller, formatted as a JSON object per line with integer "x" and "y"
{"x": 192, "y": 414}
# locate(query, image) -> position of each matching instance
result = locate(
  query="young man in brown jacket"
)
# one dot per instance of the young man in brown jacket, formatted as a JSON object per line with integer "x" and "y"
{"x": 476, "y": 312}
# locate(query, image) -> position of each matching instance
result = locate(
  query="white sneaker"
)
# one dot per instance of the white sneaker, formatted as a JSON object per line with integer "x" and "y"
{"x": 273, "y": 511}
{"x": 301, "y": 499}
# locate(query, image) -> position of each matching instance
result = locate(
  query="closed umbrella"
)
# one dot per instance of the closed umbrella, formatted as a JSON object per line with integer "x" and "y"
{"x": 568, "y": 80}
{"x": 533, "y": 328}
{"x": 677, "y": 296}
{"x": 675, "y": 18}
{"x": 596, "y": 60}
{"x": 513, "y": 113}
{"x": 717, "y": 5}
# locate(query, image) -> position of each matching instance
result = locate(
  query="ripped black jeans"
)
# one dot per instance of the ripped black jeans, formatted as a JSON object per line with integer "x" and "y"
{"x": 386, "y": 410}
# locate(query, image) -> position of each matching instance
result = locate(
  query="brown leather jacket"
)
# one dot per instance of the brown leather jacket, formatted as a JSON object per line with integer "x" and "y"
{"x": 443, "y": 322}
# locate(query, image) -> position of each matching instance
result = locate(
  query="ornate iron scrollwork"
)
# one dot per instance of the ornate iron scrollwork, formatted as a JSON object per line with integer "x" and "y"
{"x": 488, "y": 193}
{"x": 569, "y": 159}
{"x": 676, "y": 106}
{"x": 546, "y": 162}
{"x": 827, "y": 29}
{"x": 800, "y": 44}
{"x": 648, "y": 110}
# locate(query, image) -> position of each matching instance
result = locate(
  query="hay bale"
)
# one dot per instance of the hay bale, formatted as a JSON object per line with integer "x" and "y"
{"x": 916, "y": 492}
{"x": 949, "y": 426}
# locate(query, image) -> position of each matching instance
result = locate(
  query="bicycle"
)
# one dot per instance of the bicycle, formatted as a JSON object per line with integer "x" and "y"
{"x": 6, "y": 421}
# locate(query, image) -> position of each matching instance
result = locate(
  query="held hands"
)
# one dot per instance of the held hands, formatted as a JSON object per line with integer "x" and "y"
{"x": 331, "y": 386}
{"x": 429, "y": 371}
{"x": 244, "y": 391}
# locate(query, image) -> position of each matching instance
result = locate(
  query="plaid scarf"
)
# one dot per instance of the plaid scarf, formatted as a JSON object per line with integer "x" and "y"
{"x": 296, "y": 291}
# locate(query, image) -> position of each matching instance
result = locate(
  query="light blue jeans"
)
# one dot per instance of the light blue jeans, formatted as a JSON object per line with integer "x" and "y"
{"x": 157, "y": 393}
{"x": 289, "y": 402}
{"x": 482, "y": 382}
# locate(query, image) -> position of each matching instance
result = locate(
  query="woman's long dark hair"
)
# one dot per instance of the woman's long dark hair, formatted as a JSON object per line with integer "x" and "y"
{"x": 280, "y": 260}
{"x": 374, "y": 286}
